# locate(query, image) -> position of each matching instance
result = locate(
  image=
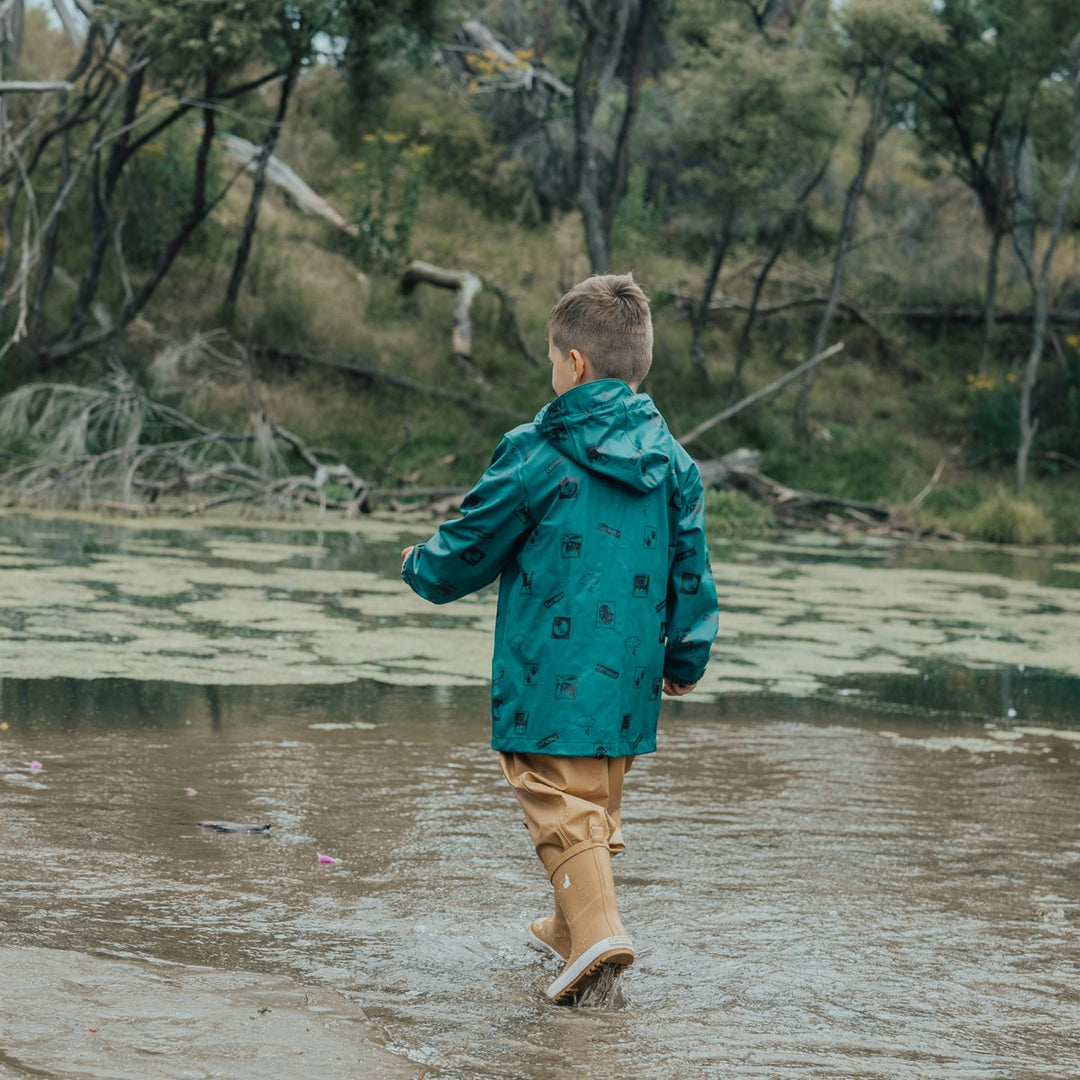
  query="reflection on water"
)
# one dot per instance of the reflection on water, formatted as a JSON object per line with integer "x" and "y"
{"x": 813, "y": 894}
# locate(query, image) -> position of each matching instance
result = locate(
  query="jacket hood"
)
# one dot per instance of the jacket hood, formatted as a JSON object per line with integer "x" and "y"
{"x": 608, "y": 429}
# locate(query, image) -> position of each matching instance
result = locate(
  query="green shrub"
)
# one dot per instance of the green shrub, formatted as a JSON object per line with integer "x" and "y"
{"x": 162, "y": 176}
{"x": 1007, "y": 519}
{"x": 995, "y": 414}
{"x": 387, "y": 179}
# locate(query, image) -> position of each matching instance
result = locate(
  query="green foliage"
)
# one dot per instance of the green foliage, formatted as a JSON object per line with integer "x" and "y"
{"x": 877, "y": 31}
{"x": 1006, "y": 519}
{"x": 995, "y": 414}
{"x": 161, "y": 178}
{"x": 387, "y": 179}
{"x": 640, "y": 219}
{"x": 749, "y": 129}
{"x": 1058, "y": 406}
{"x": 186, "y": 38}
{"x": 865, "y": 463}
{"x": 731, "y": 513}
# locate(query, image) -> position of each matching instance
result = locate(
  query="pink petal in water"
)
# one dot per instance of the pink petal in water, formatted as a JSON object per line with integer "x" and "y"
{"x": 326, "y": 860}
{"x": 189, "y": 791}
{"x": 35, "y": 765}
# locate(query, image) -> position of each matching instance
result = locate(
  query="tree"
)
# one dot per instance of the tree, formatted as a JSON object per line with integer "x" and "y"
{"x": 978, "y": 90}
{"x": 874, "y": 36}
{"x": 1028, "y": 423}
{"x": 142, "y": 69}
{"x": 617, "y": 38}
{"x": 753, "y": 118}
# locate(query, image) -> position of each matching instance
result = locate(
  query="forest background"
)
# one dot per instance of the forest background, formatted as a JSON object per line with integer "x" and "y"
{"x": 303, "y": 252}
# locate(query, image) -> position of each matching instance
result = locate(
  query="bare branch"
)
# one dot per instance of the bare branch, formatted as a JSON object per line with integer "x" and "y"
{"x": 18, "y": 86}
{"x": 765, "y": 391}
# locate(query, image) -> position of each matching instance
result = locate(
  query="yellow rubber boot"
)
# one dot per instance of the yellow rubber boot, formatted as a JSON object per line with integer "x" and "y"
{"x": 552, "y": 934}
{"x": 585, "y": 891}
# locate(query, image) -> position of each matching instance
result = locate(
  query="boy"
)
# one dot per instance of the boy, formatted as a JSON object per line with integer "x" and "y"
{"x": 593, "y": 516}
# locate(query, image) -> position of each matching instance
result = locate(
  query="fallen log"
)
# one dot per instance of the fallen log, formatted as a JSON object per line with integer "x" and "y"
{"x": 514, "y": 71}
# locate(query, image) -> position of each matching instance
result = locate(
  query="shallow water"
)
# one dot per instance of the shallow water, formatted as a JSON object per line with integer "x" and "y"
{"x": 879, "y": 878}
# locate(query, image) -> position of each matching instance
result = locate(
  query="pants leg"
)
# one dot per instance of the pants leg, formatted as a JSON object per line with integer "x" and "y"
{"x": 568, "y": 800}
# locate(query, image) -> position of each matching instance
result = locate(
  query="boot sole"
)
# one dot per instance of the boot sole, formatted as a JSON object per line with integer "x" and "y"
{"x": 617, "y": 951}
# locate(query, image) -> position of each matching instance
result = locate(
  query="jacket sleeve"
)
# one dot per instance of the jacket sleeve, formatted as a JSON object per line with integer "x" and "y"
{"x": 469, "y": 552}
{"x": 692, "y": 609}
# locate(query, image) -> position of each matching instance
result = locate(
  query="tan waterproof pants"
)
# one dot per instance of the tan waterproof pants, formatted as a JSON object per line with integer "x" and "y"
{"x": 568, "y": 801}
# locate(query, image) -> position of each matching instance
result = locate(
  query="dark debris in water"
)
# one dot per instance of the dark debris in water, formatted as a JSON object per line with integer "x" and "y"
{"x": 233, "y": 827}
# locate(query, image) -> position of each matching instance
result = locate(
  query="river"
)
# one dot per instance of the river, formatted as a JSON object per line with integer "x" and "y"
{"x": 856, "y": 854}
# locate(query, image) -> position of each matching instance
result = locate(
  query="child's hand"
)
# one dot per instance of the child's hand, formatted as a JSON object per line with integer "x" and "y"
{"x": 674, "y": 689}
{"x": 405, "y": 553}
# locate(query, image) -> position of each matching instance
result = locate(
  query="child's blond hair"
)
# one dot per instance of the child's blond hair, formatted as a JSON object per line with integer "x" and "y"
{"x": 607, "y": 318}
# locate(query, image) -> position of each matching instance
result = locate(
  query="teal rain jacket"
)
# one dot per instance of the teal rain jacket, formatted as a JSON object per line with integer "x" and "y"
{"x": 593, "y": 516}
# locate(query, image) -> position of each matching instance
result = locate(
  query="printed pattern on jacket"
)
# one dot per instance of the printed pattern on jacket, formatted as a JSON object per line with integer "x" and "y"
{"x": 592, "y": 517}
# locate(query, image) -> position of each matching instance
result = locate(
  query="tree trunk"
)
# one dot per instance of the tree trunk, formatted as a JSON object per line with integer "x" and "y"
{"x": 720, "y": 250}
{"x": 200, "y": 209}
{"x": 847, "y": 228}
{"x": 101, "y": 223}
{"x": 990, "y": 302}
{"x": 586, "y": 93}
{"x": 621, "y": 167}
{"x": 759, "y": 283}
{"x": 1029, "y": 424}
{"x": 243, "y": 252}
{"x": 744, "y": 337}
{"x": 52, "y": 231}
{"x": 599, "y": 189}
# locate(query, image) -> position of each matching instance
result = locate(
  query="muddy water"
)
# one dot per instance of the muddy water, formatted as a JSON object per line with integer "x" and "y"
{"x": 855, "y": 863}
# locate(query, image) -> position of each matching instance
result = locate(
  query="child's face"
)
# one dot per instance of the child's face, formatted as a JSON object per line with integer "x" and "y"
{"x": 563, "y": 372}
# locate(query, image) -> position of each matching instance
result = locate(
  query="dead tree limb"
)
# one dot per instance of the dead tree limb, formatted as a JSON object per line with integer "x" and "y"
{"x": 287, "y": 180}
{"x": 513, "y": 70}
{"x": 110, "y": 445}
{"x": 465, "y": 286}
{"x": 944, "y": 313}
{"x": 765, "y": 391}
{"x": 17, "y": 86}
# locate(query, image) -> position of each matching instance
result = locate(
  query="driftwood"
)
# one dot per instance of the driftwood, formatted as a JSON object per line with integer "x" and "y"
{"x": 795, "y": 509}
{"x": 22, "y": 87}
{"x": 466, "y": 286}
{"x": 758, "y": 395}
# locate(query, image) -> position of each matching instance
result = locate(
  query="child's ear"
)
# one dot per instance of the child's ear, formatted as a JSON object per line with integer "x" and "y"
{"x": 581, "y": 365}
